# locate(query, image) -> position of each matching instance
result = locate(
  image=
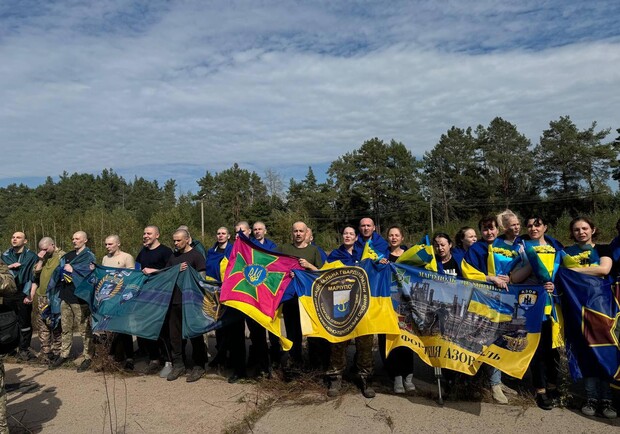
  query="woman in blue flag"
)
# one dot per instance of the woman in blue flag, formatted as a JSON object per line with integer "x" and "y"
{"x": 343, "y": 256}
{"x": 463, "y": 240}
{"x": 399, "y": 364}
{"x": 587, "y": 257}
{"x": 543, "y": 256}
{"x": 447, "y": 262}
{"x": 344, "y": 253}
{"x": 491, "y": 260}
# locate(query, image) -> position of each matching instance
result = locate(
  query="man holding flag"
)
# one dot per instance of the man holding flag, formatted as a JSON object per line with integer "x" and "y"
{"x": 367, "y": 233}
{"x": 309, "y": 259}
{"x": 74, "y": 311}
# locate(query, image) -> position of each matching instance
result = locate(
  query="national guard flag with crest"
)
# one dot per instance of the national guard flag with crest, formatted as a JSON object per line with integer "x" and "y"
{"x": 591, "y": 321}
{"x": 346, "y": 302}
{"x": 254, "y": 283}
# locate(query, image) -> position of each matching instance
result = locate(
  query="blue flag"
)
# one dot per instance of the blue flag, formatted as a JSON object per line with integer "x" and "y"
{"x": 128, "y": 301}
{"x": 592, "y": 332}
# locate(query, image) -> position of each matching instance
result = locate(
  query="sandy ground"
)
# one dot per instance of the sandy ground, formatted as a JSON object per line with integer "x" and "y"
{"x": 63, "y": 401}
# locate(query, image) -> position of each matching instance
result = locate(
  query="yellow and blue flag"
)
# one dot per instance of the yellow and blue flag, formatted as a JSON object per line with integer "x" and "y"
{"x": 420, "y": 255}
{"x": 491, "y": 307}
{"x": 439, "y": 323}
{"x": 346, "y": 302}
{"x": 371, "y": 253}
{"x": 592, "y": 314}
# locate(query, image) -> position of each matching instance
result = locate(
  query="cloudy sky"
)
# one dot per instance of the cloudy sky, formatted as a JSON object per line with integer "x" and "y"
{"x": 167, "y": 89}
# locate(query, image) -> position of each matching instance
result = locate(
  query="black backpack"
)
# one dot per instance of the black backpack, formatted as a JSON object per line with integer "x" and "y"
{"x": 9, "y": 331}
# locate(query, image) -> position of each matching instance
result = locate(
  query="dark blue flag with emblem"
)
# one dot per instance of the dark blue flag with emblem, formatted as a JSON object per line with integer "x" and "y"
{"x": 591, "y": 314}
{"x": 201, "y": 304}
{"x": 128, "y": 301}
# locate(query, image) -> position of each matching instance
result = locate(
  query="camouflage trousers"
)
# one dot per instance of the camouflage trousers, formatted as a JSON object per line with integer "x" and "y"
{"x": 4, "y": 427}
{"x": 50, "y": 339}
{"x": 75, "y": 316}
{"x": 364, "y": 361}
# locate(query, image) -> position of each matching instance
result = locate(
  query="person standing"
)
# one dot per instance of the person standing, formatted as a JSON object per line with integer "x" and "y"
{"x": 7, "y": 289}
{"x": 74, "y": 312}
{"x": 21, "y": 262}
{"x": 185, "y": 256}
{"x": 50, "y": 330}
{"x": 122, "y": 344}
{"x": 153, "y": 257}
{"x": 309, "y": 259}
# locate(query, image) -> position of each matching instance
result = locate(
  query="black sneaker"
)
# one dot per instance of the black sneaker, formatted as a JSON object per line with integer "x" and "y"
{"x": 128, "y": 366}
{"x": 195, "y": 374}
{"x": 59, "y": 361}
{"x": 25, "y": 355}
{"x": 607, "y": 409}
{"x": 176, "y": 372}
{"x": 85, "y": 365}
{"x": 153, "y": 368}
{"x": 589, "y": 408}
{"x": 543, "y": 401}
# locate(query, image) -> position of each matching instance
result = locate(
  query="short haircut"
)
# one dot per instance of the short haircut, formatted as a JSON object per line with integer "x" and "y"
{"x": 244, "y": 224}
{"x": 116, "y": 238}
{"x": 46, "y": 241}
{"x": 82, "y": 234}
{"x": 154, "y": 227}
{"x": 182, "y": 232}
{"x": 486, "y": 221}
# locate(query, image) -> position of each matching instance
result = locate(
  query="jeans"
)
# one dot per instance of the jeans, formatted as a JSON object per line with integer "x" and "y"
{"x": 495, "y": 375}
{"x": 597, "y": 388}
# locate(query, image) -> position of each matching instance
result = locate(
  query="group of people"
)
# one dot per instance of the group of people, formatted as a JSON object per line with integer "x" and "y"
{"x": 467, "y": 257}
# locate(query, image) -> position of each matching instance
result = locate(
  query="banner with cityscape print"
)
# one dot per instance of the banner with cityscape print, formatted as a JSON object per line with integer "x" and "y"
{"x": 459, "y": 324}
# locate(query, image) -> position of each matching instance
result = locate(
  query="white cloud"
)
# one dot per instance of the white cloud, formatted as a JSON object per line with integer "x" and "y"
{"x": 271, "y": 86}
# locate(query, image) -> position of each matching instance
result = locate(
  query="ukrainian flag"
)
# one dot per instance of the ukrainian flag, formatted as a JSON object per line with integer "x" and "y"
{"x": 369, "y": 252}
{"x": 420, "y": 255}
{"x": 346, "y": 302}
{"x": 484, "y": 305}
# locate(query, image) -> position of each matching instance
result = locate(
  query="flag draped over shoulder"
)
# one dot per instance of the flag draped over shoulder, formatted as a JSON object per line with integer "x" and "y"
{"x": 370, "y": 252}
{"x": 254, "y": 283}
{"x": 128, "y": 301}
{"x": 459, "y": 324}
{"x": 592, "y": 330}
{"x": 420, "y": 255}
{"x": 81, "y": 269}
{"x": 24, "y": 274}
{"x": 346, "y": 302}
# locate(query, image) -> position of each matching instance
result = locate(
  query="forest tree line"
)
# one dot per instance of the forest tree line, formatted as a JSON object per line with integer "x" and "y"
{"x": 470, "y": 172}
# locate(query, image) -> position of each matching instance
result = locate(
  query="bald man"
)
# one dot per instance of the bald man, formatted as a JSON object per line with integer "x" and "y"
{"x": 367, "y": 231}
{"x": 309, "y": 258}
{"x": 74, "y": 312}
{"x": 185, "y": 256}
{"x": 49, "y": 333}
{"x": 116, "y": 257}
{"x": 259, "y": 230}
{"x": 21, "y": 262}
